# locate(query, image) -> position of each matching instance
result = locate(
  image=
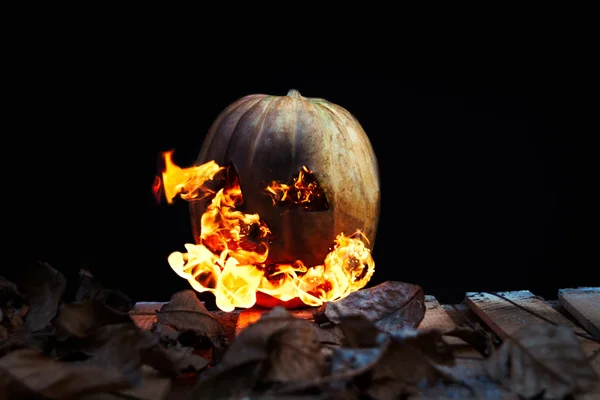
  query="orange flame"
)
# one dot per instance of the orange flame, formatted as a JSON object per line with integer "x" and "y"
{"x": 230, "y": 259}
{"x": 187, "y": 182}
{"x": 305, "y": 191}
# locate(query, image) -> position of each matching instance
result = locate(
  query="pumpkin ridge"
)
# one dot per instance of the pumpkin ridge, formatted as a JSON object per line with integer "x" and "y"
{"x": 324, "y": 186}
{"x": 295, "y": 137}
{"x": 213, "y": 131}
{"x": 338, "y": 117}
{"x": 257, "y": 131}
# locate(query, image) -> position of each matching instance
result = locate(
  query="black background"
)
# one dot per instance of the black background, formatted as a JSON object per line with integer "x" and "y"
{"x": 484, "y": 173}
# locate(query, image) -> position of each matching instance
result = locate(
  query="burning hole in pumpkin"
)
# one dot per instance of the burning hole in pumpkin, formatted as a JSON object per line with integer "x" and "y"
{"x": 284, "y": 204}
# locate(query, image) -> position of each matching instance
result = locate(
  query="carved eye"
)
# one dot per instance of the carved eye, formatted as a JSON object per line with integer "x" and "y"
{"x": 304, "y": 191}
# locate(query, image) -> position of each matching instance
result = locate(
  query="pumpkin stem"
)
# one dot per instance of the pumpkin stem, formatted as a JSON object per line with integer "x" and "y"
{"x": 294, "y": 93}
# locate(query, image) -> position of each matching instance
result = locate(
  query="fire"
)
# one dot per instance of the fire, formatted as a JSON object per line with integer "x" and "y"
{"x": 230, "y": 260}
{"x": 305, "y": 191}
{"x": 187, "y": 182}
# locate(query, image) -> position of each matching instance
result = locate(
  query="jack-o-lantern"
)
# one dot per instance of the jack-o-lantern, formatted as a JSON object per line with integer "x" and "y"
{"x": 271, "y": 138}
{"x": 284, "y": 203}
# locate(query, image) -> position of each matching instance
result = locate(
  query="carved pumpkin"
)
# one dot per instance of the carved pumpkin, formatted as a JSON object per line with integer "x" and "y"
{"x": 271, "y": 138}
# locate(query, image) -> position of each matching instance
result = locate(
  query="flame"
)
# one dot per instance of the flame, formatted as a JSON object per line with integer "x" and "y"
{"x": 187, "y": 182}
{"x": 230, "y": 260}
{"x": 305, "y": 191}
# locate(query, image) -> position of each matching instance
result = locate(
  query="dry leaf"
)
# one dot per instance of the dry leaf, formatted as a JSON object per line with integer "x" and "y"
{"x": 542, "y": 359}
{"x": 8, "y": 292}
{"x": 350, "y": 362}
{"x": 31, "y": 372}
{"x": 391, "y": 305}
{"x": 272, "y": 348}
{"x": 186, "y": 361}
{"x": 358, "y": 331}
{"x": 328, "y": 335}
{"x": 476, "y": 337}
{"x": 128, "y": 348}
{"x": 153, "y": 386}
{"x": 167, "y": 334}
{"x": 294, "y": 354}
{"x": 382, "y": 365}
{"x": 184, "y": 312}
{"x": 480, "y": 388}
{"x": 317, "y": 396}
{"x": 402, "y": 369}
{"x": 429, "y": 342}
{"x": 82, "y": 319}
{"x": 91, "y": 288}
{"x": 44, "y": 287}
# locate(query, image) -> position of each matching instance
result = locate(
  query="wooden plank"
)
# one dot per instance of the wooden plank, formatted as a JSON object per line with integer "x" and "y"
{"x": 584, "y": 305}
{"x": 461, "y": 314}
{"x": 559, "y": 307}
{"x": 507, "y": 312}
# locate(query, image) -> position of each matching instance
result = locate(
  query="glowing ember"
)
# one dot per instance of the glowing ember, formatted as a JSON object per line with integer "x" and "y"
{"x": 230, "y": 259}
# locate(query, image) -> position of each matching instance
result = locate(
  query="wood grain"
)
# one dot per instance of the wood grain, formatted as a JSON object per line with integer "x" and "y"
{"x": 584, "y": 305}
{"x": 507, "y": 312}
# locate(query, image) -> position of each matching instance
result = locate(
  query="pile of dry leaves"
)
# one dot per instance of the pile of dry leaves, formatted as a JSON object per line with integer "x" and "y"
{"x": 365, "y": 346}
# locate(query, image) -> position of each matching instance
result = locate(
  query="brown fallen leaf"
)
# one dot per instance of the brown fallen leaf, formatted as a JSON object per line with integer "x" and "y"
{"x": 399, "y": 363}
{"x": 8, "y": 292}
{"x": 294, "y": 354}
{"x": 153, "y": 386}
{"x": 84, "y": 318}
{"x": 186, "y": 361}
{"x": 382, "y": 365}
{"x": 167, "y": 334}
{"x": 28, "y": 372}
{"x": 429, "y": 342}
{"x": 542, "y": 359}
{"x": 12, "y": 318}
{"x": 11, "y": 389}
{"x": 128, "y": 348}
{"x": 44, "y": 287}
{"x": 184, "y": 312}
{"x": 476, "y": 337}
{"x": 358, "y": 332}
{"x": 277, "y": 347}
{"x": 402, "y": 369}
{"x": 480, "y": 388}
{"x": 91, "y": 288}
{"x": 328, "y": 335}
{"x": 390, "y": 305}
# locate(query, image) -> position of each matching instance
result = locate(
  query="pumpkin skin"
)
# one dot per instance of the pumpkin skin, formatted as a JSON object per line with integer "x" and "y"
{"x": 269, "y": 138}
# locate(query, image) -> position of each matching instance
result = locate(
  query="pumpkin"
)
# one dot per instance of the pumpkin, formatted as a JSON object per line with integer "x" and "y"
{"x": 270, "y": 138}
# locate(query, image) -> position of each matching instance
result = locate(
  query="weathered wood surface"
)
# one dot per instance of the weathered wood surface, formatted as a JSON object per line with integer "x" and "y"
{"x": 584, "y": 304}
{"x": 507, "y": 312}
